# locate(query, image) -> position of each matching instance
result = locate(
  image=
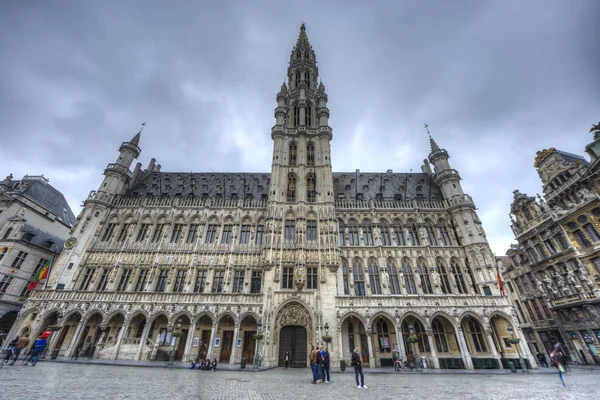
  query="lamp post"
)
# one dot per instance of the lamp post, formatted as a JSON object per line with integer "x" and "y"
{"x": 516, "y": 342}
{"x": 256, "y": 353}
{"x": 175, "y": 335}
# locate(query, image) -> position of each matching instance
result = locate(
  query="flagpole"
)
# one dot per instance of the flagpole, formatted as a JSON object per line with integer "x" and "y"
{"x": 49, "y": 270}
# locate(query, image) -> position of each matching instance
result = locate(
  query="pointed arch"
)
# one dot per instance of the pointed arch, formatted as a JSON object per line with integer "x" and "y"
{"x": 291, "y": 197}
{"x": 367, "y": 232}
{"x": 443, "y": 272}
{"x": 409, "y": 279}
{"x": 398, "y": 232}
{"x": 341, "y": 232}
{"x": 374, "y": 279}
{"x": 310, "y": 154}
{"x": 423, "y": 272}
{"x": 353, "y": 233}
{"x": 359, "y": 277}
{"x": 393, "y": 276}
{"x": 293, "y": 154}
{"x": 384, "y": 231}
{"x": 310, "y": 187}
{"x": 458, "y": 274}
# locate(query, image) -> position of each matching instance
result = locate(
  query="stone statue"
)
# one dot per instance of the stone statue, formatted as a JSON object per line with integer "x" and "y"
{"x": 595, "y": 129}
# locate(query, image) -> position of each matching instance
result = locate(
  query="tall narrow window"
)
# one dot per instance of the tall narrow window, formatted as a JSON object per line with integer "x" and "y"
{"x": 340, "y": 233}
{"x": 103, "y": 281}
{"x": 351, "y": 334}
{"x": 162, "y": 280}
{"x": 180, "y": 280}
{"x": 431, "y": 236}
{"x": 288, "y": 278}
{"x": 383, "y": 336}
{"x": 260, "y": 234}
{"x": 255, "y": 285}
{"x": 399, "y": 233}
{"x": 5, "y": 283}
{"x": 87, "y": 277}
{"x": 385, "y": 233}
{"x": 353, "y": 233}
{"x": 581, "y": 239}
{"x": 413, "y": 235}
{"x": 311, "y": 278}
{"x": 310, "y": 154}
{"x": 140, "y": 285}
{"x": 310, "y": 188}
{"x": 123, "y": 233}
{"x": 238, "y": 281}
{"x": 293, "y": 154}
{"x": 143, "y": 232}
{"x": 200, "y": 281}
{"x": 124, "y": 280}
{"x": 290, "y": 230}
{"x": 308, "y": 115}
{"x": 359, "y": 278}
{"x": 550, "y": 247}
{"x": 211, "y": 233}
{"x": 297, "y": 111}
{"x": 3, "y": 252}
{"x": 19, "y": 259}
{"x": 311, "y": 230}
{"x": 367, "y": 233}
{"x": 345, "y": 276}
{"x": 409, "y": 279}
{"x": 393, "y": 273}
{"x": 460, "y": 280}
{"x": 477, "y": 336}
{"x": 245, "y": 234}
{"x": 591, "y": 232}
{"x": 443, "y": 232}
{"x": 291, "y": 196}
{"x": 176, "y": 235}
{"x": 226, "y": 235}
{"x": 217, "y": 285}
{"x": 424, "y": 275}
{"x": 158, "y": 231}
{"x": 374, "y": 277}
{"x": 444, "y": 281}
{"x": 439, "y": 336}
{"x": 192, "y": 233}
{"x": 110, "y": 228}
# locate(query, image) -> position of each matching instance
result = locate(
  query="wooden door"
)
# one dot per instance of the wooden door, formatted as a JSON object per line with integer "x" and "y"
{"x": 364, "y": 349}
{"x": 249, "y": 347}
{"x": 226, "y": 346}
{"x": 293, "y": 340}
{"x": 204, "y": 342}
{"x": 181, "y": 345}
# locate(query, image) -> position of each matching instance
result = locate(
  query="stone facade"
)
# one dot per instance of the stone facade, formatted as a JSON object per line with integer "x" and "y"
{"x": 553, "y": 272}
{"x": 299, "y": 255}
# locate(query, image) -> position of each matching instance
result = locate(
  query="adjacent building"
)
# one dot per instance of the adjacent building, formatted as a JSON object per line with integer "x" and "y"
{"x": 35, "y": 220}
{"x": 199, "y": 263}
{"x": 553, "y": 273}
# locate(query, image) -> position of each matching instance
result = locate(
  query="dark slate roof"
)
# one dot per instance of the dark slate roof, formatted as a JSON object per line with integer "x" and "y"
{"x": 226, "y": 185}
{"x": 42, "y": 239}
{"x": 44, "y": 194}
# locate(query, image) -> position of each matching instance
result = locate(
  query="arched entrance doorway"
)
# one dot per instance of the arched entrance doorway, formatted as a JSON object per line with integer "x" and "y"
{"x": 293, "y": 322}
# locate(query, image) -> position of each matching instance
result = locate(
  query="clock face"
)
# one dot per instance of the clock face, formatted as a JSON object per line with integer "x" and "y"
{"x": 70, "y": 243}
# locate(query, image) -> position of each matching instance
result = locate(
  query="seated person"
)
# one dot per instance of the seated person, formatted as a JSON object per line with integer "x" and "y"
{"x": 213, "y": 366}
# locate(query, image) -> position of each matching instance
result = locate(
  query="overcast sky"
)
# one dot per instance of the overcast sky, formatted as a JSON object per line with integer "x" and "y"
{"x": 496, "y": 81}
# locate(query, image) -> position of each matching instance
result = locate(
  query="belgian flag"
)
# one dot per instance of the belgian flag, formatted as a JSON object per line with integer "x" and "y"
{"x": 41, "y": 274}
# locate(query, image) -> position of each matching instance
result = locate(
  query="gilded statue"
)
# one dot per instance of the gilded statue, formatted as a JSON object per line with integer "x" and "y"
{"x": 596, "y": 130}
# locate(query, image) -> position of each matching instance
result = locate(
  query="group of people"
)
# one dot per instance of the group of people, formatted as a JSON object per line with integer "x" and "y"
{"x": 204, "y": 365}
{"x": 17, "y": 345}
{"x": 319, "y": 364}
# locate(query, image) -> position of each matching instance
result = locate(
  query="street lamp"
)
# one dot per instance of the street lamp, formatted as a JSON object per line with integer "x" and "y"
{"x": 258, "y": 337}
{"x": 175, "y": 335}
{"x": 516, "y": 342}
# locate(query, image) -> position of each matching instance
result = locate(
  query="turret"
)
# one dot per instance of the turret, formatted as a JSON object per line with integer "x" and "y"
{"x": 117, "y": 174}
{"x": 447, "y": 178}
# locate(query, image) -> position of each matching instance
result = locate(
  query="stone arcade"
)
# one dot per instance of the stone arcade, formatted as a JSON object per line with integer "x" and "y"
{"x": 217, "y": 257}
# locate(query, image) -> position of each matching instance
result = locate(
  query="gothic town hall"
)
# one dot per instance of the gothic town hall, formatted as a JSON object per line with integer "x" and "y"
{"x": 197, "y": 264}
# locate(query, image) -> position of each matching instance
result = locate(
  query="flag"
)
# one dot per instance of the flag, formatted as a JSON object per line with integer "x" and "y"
{"x": 41, "y": 274}
{"x": 500, "y": 285}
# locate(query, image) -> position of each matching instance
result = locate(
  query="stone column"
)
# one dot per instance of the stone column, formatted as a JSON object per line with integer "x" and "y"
{"x": 464, "y": 351}
{"x": 212, "y": 341}
{"x": 145, "y": 334}
{"x": 488, "y": 333}
{"x": 75, "y": 338}
{"x": 400, "y": 339}
{"x": 371, "y": 354}
{"x": 525, "y": 349}
{"x": 234, "y": 344}
{"x": 434, "y": 358}
{"x": 188, "y": 342}
{"x": 341, "y": 345}
{"x": 119, "y": 339}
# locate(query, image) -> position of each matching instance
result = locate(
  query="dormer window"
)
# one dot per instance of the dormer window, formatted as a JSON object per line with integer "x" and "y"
{"x": 28, "y": 237}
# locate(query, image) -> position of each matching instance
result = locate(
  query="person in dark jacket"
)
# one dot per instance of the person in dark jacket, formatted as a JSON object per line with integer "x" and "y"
{"x": 10, "y": 349}
{"x": 286, "y": 358}
{"x": 21, "y": 344}
{"x": 357, "y": 363}
{"x": 326, "y": 365}
{"x": 38, "y": 347}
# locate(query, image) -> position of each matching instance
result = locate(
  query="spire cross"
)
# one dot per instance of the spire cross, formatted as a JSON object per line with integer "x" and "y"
{"x": 142, "y": 128}
{"x": 427, "y": 129}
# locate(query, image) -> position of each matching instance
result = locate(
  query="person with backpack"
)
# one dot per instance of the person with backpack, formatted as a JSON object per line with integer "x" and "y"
{"x": 557, "y": 361}
{"x": 313, "y": 364}
{"x": 320, "y": 365}
{"x": 37, "y": 349}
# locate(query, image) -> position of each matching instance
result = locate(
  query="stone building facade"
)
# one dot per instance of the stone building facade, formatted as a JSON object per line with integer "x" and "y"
{"x": 297, "y": 254}
{"x": 35, "y": 220}
{"x": 553, "y": 273}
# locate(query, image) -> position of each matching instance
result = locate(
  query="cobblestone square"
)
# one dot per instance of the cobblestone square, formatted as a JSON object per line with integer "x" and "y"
{"x": 76, "y": 381}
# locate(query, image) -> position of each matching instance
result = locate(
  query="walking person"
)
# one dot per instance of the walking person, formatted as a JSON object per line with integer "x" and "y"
{"x": 78, "y": 350}
{"x": 21, "y": 344}
{"x": 358, "y": 370}
{"x": 557, "y": 361}
{"x": 326, "y": 364}
{"x": 287, "y": 359}
{"x": 10, "y": 349}
{"x": 313, "y": 363}
{"x": 37, "y": 349}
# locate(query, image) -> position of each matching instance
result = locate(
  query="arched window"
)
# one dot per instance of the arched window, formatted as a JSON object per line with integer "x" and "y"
{"x": 297, "y": 79}
{"x": 413, "y": 235}
{"x": 341, "y": 233}
{"x": 419, "y": 332}
{"x": 383, "y": 336}
{"x": 476, "y": 333}
{"x": 298, "y": 54}
{"x": 591, "y": 232}
{"x": 385, "y": 233}
{"x": 293, "y": 154}
{"x": 291, "y": 188}
{"x": 296, "y": 115}
{"x": 353, "y": 233}
{"x": 393, "y": 274}
{"x": 443, "y": 233}
{"x": 439, "y": 336}
{"x": 367, "y": 233}
{"x": 308, "y": 116}
{"x": 460, "y": 280}
{"x": 311, "y": 229}
{"x": 351, "y": 334}
{"x": 310, "y": 188}
{"x": 307, "y": 78}
{"x": 359, "y": 278}
{"x": 424, "y": 275}
{"x": 374, "y": 277}
{"x": 431, "y": 235}
{"x": 527, "y": 213}
{"x": 409, "y": 279}
{"x": 310, "y": 154}
{"x": 8, "y": 232}
{"x": 444, "y": 281}
{"x": 399, "y": 233}
{"x": 345, "y": 276}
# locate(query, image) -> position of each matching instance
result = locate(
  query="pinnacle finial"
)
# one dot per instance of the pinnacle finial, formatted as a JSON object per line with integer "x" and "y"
{"x": 136, "y": 138}
{"x": 432, "y": 142}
